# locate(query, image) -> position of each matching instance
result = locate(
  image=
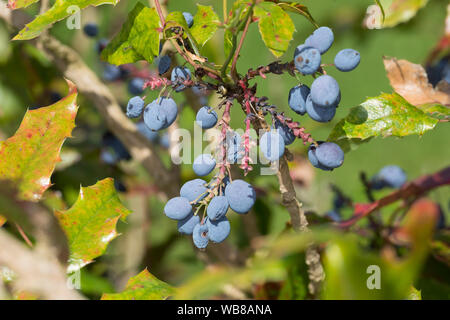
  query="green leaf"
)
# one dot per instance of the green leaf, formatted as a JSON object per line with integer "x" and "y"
{"x": 386, "y": 115}
{"x": 17, "y": 4}
{"x": 144, "y": 286}
{"x": 29, "y": 157}
{"x": 60, "y": 10}
{"x": 297, "y": 8}
{"x": 414, "y": 294}
{"x": 227, "y": 42}
{"x": 138, "y": 39}
{"x": 436, "y": 110}
{"x": 205, "y": 24}
{"x": 90, "y": 225}
{"x": 276, "y": 27}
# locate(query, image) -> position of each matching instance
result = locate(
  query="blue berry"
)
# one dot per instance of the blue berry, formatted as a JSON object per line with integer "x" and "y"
{"x": 330, "y": 155}
{"x": 160, "y": 114}
{"x": 390, "y": 176}
{"x": 334, "y": 215}
{"x": 91, "y": 30}
{"x": 285, "y": 132}
{"x": 109, "y": 157}
{"x": 218, "y": 230}
{"x": 297, "y": 98}
{"x": 189, "y": 18}
{"x": 327, "y": 156}
{"x": 240, "y": 195}
{"x": 194, "y": 190}
{"x": 317, "y": 113}
{"x": 134, "y": 107}
{"x": 136, "y": 86}
{"x": 164, "y": 64}
{"x": 152, "y": 136}
{"x": 180, "y": 75}
{"x": 313, "y": 159}
{"x": 200, "y": 236}
{"x": 321, "y": 39}
{"x": 164, "y": 140}
{"x": 272, "y": 145}
{"x": 217, "y": 208}
{"x": 101, "y": 44}
{"x": 111, "y": 72}
{"x": 204, "y": 164}
{"x": 110, "y": 141}
{"x": 307, "y": 61}
{"x": 298, "y": 49}
{"x": 187, "y": 225}
{"x": 206, "y": 117}
{"x": 325, "y": 91}
{"x": 178, "y": 208}
{"x": 347, "y": 60}
{"x": 234, "y": 148}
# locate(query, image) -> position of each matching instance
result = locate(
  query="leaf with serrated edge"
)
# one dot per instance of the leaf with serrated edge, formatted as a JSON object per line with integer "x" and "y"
{"x": 386, "y": 115}
{"x": 144, "y": 286}
{"x": 17, "y": 4}
{"x": 138, "y": 39}
{"x": 205, "y": 24}
{"x": 90, "y": 224}
{"x": 29, "y": 157}
{"x": 59, "y": 11}
{"x": 436, "y": 110}
{"x": 276, "y": 27}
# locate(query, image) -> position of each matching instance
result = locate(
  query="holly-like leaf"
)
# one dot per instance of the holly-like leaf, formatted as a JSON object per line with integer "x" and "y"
{"x": 90, "y": 224}
{"x": 276, "y": 27}
{"x": 17, "y": 4}
{"x": 138, "y": 39}
{"x": 386, "y": 115}
{"x": 205, "y": 24}
{"x": 144, "y": 286}
{"x": 29, "y": 157}
{"x": 60, "y": 10}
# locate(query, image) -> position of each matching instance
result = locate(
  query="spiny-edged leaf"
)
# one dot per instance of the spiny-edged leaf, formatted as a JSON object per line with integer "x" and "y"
{"x": 276, "y": 27}
{"x": 2, "y": 221}
{"x": 138, "y": 39}
{"x": 296, "y": 7}
{"x": 386, "y": 115}
{"x": 205, "y": 24}
{"x": 90, "y": 224}
{"x": 414, "y": 294}
{"x": 436, "y": 110}
{"x": 59, "y": 11}
{"x": 17, "y": 4}
{"x": 29, "y": 157}
{"x": 144, "y": 286}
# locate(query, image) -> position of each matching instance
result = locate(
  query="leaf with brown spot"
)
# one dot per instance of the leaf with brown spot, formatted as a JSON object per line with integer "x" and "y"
{"x": 29, "y": 157}
{"x": 411, "y": 82}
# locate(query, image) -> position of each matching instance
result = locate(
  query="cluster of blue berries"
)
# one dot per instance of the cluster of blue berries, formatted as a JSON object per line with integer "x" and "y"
{"x": 319, "y": 102}
{"x": 215, "y": 198}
